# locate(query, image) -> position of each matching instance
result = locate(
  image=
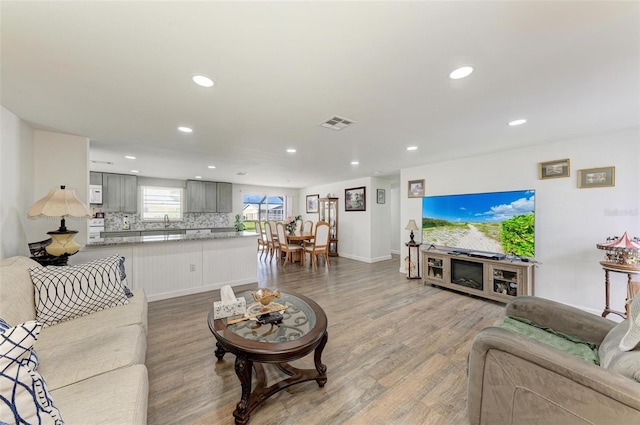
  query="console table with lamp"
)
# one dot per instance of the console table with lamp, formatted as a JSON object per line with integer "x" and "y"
{"x": 621, "y": 256}
{"x": 59, "y": 203}
{"x": 413, "y": 259}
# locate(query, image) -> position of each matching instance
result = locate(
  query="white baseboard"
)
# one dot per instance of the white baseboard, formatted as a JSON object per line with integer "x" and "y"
{"x": 190, "y": 291}
{"x": 366, "y": 260}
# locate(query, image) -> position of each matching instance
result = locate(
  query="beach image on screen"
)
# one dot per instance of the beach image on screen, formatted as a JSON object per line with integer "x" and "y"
{"x": 500, "y": 222}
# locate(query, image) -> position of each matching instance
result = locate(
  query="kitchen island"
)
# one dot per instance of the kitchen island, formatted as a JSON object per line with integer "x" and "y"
{"x": 172, "y": 265}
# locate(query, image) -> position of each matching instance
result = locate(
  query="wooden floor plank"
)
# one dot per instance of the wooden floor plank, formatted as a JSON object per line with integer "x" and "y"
{"x": 396, "y": 353}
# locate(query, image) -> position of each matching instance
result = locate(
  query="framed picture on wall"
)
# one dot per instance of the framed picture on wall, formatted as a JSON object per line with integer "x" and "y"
{"x": 554, "y": 169}
{"x": 380, "y": 196}
{"x": 312, "y": 203}
{"x": 416, "y": 188}
{"x": 355, "y": 199}
{"x": 597, "y": 177}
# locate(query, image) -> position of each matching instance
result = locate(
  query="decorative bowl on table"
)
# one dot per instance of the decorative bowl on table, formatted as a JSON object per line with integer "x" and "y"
{"x": 265, "y": 296}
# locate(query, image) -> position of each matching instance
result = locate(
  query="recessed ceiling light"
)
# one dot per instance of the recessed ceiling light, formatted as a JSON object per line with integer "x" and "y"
{"x": 202, "y": 80}
{"x": 291, "y": 150}
{"x": 198, "y": 177}
{"x": 355, "y": 162}
{"x": 186, "y": 129}
{"x": 211, "y": 166}
{"x": 130, "y": 157}
{"x": 412, "y": 148}
{"x": 517, "y": 122}
{"x": 135, "y": 171}
{"x": 462, "y": 72}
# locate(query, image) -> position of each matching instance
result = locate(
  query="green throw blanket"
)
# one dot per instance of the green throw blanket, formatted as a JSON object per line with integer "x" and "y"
{"x": 567, "y": 343}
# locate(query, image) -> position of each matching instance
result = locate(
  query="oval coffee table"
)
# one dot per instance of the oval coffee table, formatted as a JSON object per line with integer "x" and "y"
{"x": 303, "y": 330}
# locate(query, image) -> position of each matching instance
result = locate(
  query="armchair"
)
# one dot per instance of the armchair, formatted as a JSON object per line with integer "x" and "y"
{"x": 514, "y": 379}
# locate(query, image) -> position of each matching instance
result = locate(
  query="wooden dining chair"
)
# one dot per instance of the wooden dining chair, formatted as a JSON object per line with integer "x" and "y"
{"x": 286, "y": 248}
{"x": 272, "y": 243}
{"x": 262, "y": 238}
{"x": 308, "y": 226}
{"x": 320, "y": 245}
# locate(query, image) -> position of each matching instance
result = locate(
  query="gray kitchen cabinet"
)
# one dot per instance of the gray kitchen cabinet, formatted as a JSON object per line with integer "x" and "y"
{"x": 95, "y": 178}
{"x": 205, "y": 196}
{"x": 225, "y": 197}
{"x": 119, "y": 193}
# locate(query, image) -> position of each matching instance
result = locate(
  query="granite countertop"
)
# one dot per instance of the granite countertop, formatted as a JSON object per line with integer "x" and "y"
{"x": 134, "y": 240}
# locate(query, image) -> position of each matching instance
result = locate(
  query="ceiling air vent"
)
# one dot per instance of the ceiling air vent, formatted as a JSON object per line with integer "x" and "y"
{"x": 102, "y": 162}
{"x": 336, "y": 123}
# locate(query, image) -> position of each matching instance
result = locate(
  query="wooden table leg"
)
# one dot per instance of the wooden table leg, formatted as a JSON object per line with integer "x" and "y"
{"x": 243, "y": 370}
{"x": 219, "y": 351}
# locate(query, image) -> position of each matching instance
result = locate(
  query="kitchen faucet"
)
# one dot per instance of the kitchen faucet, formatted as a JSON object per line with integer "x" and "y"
{"x": 166, "y": 220}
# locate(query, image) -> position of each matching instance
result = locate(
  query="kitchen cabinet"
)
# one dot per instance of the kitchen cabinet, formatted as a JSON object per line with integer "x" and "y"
{"x": 95, "y": 178}
{"x": 205, "y": 196}
{"x": 225, "y": 197}
{"x": 119, "y": 193}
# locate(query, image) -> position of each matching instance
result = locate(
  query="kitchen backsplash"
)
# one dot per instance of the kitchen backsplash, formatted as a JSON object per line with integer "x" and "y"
{"x": 115, "y": 221}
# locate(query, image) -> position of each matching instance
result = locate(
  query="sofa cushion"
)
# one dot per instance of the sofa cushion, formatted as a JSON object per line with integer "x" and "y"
{"x": 24, "y": 397}
{"x": 613, "y": 358}
{"x": 118, "y": 397}
{"x": 567, "y": 343}
{"x": 63, "y": 293}
{"x": 16, "y": 290}
{"x": 65, "y": 361}
{"x": 631, "y": 338}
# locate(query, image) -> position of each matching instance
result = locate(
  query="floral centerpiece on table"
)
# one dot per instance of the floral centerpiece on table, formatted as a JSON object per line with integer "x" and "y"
{"x": 292, "y": 223}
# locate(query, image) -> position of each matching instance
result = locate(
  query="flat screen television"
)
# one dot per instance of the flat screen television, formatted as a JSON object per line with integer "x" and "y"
{"x": 494, "y": 222}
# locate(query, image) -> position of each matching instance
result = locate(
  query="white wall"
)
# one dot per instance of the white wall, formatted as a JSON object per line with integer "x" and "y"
{"x": 16, "y": 184}
{"x": 569, "y": 221}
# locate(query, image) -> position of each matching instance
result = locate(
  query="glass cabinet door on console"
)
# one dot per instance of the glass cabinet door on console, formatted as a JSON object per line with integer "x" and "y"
{"x": 328, "y": 209}
{"x": 434, "y": 267}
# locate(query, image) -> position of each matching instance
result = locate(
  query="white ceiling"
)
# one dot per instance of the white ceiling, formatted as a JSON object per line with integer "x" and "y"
{"x": 120, "y": 74}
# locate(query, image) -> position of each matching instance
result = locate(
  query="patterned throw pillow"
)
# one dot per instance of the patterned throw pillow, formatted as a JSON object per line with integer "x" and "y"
{"x": 123, "y": 278}
{"x": 24, "y": 398}
{"x": 32, "y": 360}
{"x": 64, "y": 293}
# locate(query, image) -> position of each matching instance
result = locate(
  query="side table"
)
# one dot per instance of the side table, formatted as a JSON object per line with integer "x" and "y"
{"x": 618, "y": 268}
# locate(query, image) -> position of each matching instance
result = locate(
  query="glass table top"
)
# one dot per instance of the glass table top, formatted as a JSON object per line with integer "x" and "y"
{"x": 298, "y": 320}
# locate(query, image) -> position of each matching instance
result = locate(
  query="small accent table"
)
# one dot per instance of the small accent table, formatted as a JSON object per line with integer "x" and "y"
{"x": 618, "y": 268}
{"x": 303, "y": 330}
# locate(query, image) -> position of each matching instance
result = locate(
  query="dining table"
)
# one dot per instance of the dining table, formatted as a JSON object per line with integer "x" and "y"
{"x": 299, "y": 237}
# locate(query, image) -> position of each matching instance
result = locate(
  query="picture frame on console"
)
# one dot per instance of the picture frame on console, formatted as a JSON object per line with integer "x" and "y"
{"x": 312, "y": 203}
{"x": 355, "y": 199}
{"x": 416, "y": 188}
{"x": 554, "y": 169}
{"x": 597, "y": 177}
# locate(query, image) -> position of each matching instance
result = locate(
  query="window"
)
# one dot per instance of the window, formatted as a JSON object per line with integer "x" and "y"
{"x": 160, "y": 201}
{"x": 263, "y": 207}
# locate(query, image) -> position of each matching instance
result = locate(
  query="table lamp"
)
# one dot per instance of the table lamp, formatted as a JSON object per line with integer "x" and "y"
{"x": 413, "y": 227}
{"x": 60, "y": 203}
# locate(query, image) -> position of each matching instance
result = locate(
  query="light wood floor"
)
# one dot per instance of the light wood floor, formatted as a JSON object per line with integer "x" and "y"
{"x": 396, "y": 353}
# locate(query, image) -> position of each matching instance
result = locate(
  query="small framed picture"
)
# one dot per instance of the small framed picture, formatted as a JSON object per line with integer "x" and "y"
{"x": 554, "y": 169}
{"x": 312, "y": 203}
{"x": 416, "y": 188}
{"x": 380, "y": 196}
{"x": 355, "y": 199}
{"x": 597, "y": 177}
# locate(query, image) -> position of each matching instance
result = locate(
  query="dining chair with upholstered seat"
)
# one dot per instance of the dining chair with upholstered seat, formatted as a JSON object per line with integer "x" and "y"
{"x": 262, "y": 238}
{"x": 286, "y": 248}
{"x": 272, "y": 243}
{"x": 308, "y": 226}
{"x": 320, "y": 245}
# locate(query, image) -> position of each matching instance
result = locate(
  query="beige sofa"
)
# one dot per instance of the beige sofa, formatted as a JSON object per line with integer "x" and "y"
{"x": 514, "y": 379}
{"x": 93, "y": 365}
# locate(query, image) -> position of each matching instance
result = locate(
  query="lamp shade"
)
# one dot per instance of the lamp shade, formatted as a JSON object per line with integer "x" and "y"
{"x": 60, "y": 203}
{"x": 412, "y": 226}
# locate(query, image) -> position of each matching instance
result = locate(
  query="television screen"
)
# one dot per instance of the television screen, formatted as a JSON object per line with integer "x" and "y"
{"x": 501, "y": 222}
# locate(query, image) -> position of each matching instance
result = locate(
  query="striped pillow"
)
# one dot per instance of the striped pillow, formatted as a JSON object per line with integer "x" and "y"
{"x": 64, "y": 293}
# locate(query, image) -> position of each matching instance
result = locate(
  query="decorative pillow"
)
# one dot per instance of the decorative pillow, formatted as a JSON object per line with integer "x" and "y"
{"x": 32, "y": 360}
{"x": 613, "y": 358}
{"x": 24, "y": 398}
{"x": 63, "y": 293}
{"x": 631, "y": 339}
{"x": 123, "y": 278}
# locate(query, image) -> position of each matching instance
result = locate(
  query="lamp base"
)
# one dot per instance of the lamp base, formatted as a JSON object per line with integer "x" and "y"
{"x": 62, "y": 243}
